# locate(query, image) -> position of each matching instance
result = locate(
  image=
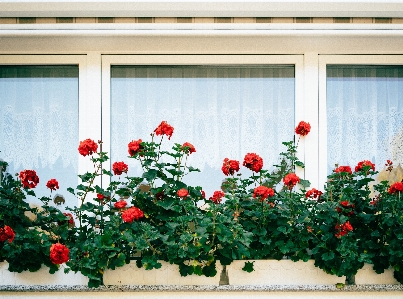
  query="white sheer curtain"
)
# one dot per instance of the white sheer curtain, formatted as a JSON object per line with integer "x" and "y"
{"x": 364, "y": 114}
{"x": 39, "y": 123}
{"x": 222, "y": 111}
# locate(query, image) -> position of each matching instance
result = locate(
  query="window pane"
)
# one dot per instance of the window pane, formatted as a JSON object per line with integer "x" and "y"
{"x": 364, "y": 114}
{"x": 224, "y": 111}
{"x": 39, "y": 123}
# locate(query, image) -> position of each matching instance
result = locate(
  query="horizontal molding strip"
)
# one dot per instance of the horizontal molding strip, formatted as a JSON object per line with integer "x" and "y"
{"x": 202, "y": 8}
{"x": 42, "y": 30}
{"x": 205, "y": 288}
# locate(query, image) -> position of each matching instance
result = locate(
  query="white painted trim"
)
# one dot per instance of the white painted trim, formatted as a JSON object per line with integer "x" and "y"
{"x": 108, "y": 60}
{"x": 201, "y": 8}
{"x": 195, "y": 29}
{"x": 324, "y": 60}
{"x": 201, "y": 26}
{"x": 201, "y": 33}
{"x": 310, "y": 108}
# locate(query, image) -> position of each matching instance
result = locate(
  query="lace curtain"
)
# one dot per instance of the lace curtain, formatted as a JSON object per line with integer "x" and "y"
{"x": 222, "y": 111}
{"x": 39, "y": 123}
{"x": 364, "y": 114}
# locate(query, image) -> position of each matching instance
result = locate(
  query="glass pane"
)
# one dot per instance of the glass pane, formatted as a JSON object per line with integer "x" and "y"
{"x": 224, "y": 111}
{"x": 39, "y": 123}
{"x": 364, "y": 114}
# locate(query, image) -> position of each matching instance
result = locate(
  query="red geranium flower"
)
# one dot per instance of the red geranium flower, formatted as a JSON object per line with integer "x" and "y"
{"x": 87, "y": 147}
{"x": 71, "y": 219}
{"x": 203, "y": 194}
{"x": 343, "y": 229}
{"x": 303, "y": 128}
{"x": 132, "y": 213}
{"x": 188, "y": 148}
{"x": 119, "y": 167}
{"x": 217, "y": 197}
{"x": 253, "y": 161}
{"x": 134, "y": 147}
{"x": 364, "y": 163}
{"x": 52, "y": 184}
{"x": 313, "y": 193}
{"x": 343, "y": 169}
{"x": 263, "y": 192}
{"x": 6, "y": 233}
{"x": 182, "y": 193}
{"x": 29, "y": 179}
{"x": 290, "y": 180}
{"x": 59, "y": 253}
{"x": 396, "y": 187}
{"x": 120, "y": 204}
{"x": 164, "y": 129}
{"x": 230, "y": 166}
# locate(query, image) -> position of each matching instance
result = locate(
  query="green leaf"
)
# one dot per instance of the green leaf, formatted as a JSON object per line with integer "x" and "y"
{"x": 150, "y": 175}
{"x": 305, "y": 183}
{"x": 328, "y": 256}
{"x": 248, "y": 267}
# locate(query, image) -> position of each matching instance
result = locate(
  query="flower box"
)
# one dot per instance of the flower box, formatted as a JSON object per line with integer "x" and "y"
{"x": 167, "y": 275}
{"x": 283, "y": 272}
{"x": 40, "y": 278}
{"x": 366, "y": 275}
{"x": 266, "y": 272}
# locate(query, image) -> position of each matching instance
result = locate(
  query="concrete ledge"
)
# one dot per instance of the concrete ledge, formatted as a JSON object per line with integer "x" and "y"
{"x": 205, "y": 288}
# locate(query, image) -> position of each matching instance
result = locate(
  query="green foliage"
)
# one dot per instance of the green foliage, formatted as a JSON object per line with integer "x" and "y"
{"x": 341, "y": 228}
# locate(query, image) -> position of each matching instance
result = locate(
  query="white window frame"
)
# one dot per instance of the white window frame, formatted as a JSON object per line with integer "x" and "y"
{"x": 325, "y": 60}
{"x": 110, "y": 60}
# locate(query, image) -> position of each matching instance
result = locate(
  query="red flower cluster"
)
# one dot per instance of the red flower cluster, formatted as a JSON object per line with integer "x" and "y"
{"x": 59, "y": 253}
{"x": 341, "y": 169}
{"x": 71, "y": 219}
{"x": 100, "y": 197}
{"x": 132, "y": 213}
{"x": 87, "y": 147}
{"x": 29, "y": 179}
{"x": 263, "y": 192}
{"x": 313, "y": 193}
{"x": 346, "y": 208}
{"x": 119, "y": 167}
{"x": 52, "y": 184}
{"x": 253, "y": 161}
{"x": 203, "y": 194}
{"x": 217, "y": 197}
{"x": 364, "y": 163}
{"x": 120, "y": 204}
{"x": 188, "y": 148}
{"x": 343, "y": 229}
{"x": 290, "y": 180}
{"x": 134, "y": 147}
{"x": 164, "y": 129}
{"x": 396, "y": 187}
{"x": 182, "y": 193}
{"x": 229, "y": 167}
{"x": 303, "y": 128}
{"x": 6, "y": 233}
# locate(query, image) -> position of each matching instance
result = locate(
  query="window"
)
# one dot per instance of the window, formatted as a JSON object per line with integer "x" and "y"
{"x": 223, "y": 110}
{"x": 364, "y": 112}
{"x": 39, "y": 122}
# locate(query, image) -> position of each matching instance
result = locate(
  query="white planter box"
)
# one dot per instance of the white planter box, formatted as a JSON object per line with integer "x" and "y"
{"x": 167, "y": 275}
{"x": 283, "y": 272}
{"x": 267, "y": 272}
{"x": 40, "y": 278}
{"x": 367, "y": 275}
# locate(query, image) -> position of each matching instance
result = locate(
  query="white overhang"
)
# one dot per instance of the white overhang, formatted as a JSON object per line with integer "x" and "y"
{"x": 201, "y": 8}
